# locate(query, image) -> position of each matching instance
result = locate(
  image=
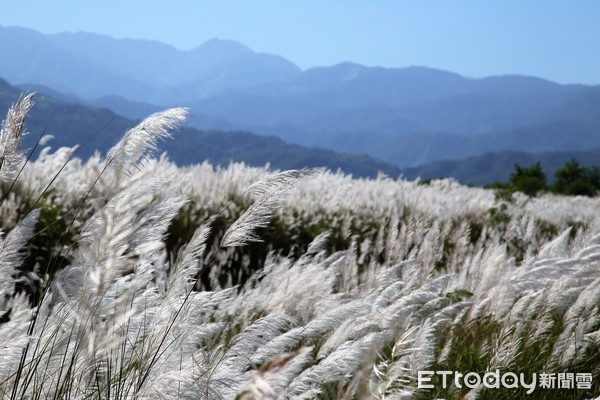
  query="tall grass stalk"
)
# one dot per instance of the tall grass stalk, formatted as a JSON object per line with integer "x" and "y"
{"x": 366, "y": 282}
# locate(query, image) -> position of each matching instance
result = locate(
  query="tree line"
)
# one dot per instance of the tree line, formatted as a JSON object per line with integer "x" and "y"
{"x": 572, "y": 179}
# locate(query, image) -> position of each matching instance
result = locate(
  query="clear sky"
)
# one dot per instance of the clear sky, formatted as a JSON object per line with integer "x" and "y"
{"x": 557, "y": 40}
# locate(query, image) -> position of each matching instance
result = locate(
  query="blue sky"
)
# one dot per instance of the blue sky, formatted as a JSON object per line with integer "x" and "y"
{"x": 557, "y": 40}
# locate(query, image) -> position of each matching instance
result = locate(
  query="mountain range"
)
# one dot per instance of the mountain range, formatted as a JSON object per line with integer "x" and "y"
{"x": 73, "y": 124}
{"x": 90, "y": 66}
{"x": 404, "y": 116}
{"x": 496, "y": 167}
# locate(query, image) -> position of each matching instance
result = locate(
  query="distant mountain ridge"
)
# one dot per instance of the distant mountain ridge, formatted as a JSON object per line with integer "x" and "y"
{"x": 404, "y": 116}
{"x": 432, "y": 100}
{"x": 416, "y": 149}
{"x": 72, "y": 124}
{"x": 191, "y": 146}
{"x": 90, "y": 65}
{"x": 497, "y": 167}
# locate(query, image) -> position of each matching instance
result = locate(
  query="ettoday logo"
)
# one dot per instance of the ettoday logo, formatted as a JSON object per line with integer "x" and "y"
{"x": 507, "y": 380}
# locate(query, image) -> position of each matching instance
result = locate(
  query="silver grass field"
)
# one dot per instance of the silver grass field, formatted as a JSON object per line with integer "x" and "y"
{"x": 126, "y": 276}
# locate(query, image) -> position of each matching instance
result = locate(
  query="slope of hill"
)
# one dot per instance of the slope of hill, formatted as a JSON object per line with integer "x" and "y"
{"x": 157, "y": 64}
{"x": 121, "y": 106}
{"x": 343, "y": 107}
{"x": 90, "y": 65}
{"x": 584, "y": 108}
{"x": 432, "y": 100}
{"x": 74, "y": 123}
{"x": 497, "y": 167}
{"x": 235, "y": 73}
{"x": 126, "y": 108}
{"x": 222, "y": 147}
{"x": 32, "y": 59}
{"x": 412, "y": 150}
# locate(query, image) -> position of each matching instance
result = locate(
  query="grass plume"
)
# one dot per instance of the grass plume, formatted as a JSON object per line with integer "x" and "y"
{"x": 364, "y": 283}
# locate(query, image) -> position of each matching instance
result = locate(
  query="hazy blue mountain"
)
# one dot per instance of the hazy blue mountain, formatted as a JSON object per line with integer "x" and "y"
{"x": 497, "y": 167}
{"x": 319, "y": 91}
{"x": 468, "y": 114}
{"x": 404, "y": 116}
{"x": 33, "y": 60}
{"x": 138, "y": 110}
{"x": 369, "y": 118}
{"x": 48, "y": 91}
{"x": 222, "y": 147}
{"x": 354, "y": 85}
{"x": 477, "y": 113}
{"x": 72, "y": 124}
{"x": 90, "y": 66}
{"x": 455, "y": 118}
{"x": 117, "y": 104}
{"x": 126, "y": 108}
{"x": 584, "y": 108}
{"x": 349, "y": 98}
{"x": 416, "y": 149}
{"x": 121, "y": 106}
{"x": 154, "y": 63}
{"x": 235, "y": 73}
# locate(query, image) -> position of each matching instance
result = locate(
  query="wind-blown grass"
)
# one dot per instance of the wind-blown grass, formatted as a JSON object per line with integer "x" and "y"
{"x": 359, "y": 284}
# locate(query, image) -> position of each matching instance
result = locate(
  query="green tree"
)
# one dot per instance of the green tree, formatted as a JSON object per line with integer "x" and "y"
{"x": 530, "y": 180}
{"x": 574, "y": 179}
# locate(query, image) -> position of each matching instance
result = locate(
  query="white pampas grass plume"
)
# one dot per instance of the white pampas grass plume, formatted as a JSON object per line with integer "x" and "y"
{"x": 318, "y": 244}
{"x": 11, "y": 250}
{"x": 275, "y": 375}
{"x": 338, "y": 366}
{"x": 557, "y": 247}
{"x": 279, "y": 180}
{"x": 273, "y": 191}
{"x": 142, "y": 140}
{"x": 188, "y": 263}
{"x": 425, "y": 343}
{"x": 11, "y": 133}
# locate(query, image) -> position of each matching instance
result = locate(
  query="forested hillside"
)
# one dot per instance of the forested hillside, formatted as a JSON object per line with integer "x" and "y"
{"x": 98, "y": 129}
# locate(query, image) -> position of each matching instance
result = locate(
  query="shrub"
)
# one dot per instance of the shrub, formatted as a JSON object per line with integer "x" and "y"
{"x": 528, "y": 180}
{"x": 573, "y": 179}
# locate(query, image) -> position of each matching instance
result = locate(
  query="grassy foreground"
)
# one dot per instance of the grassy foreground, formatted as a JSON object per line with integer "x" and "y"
{"x": 124, "y": 276}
